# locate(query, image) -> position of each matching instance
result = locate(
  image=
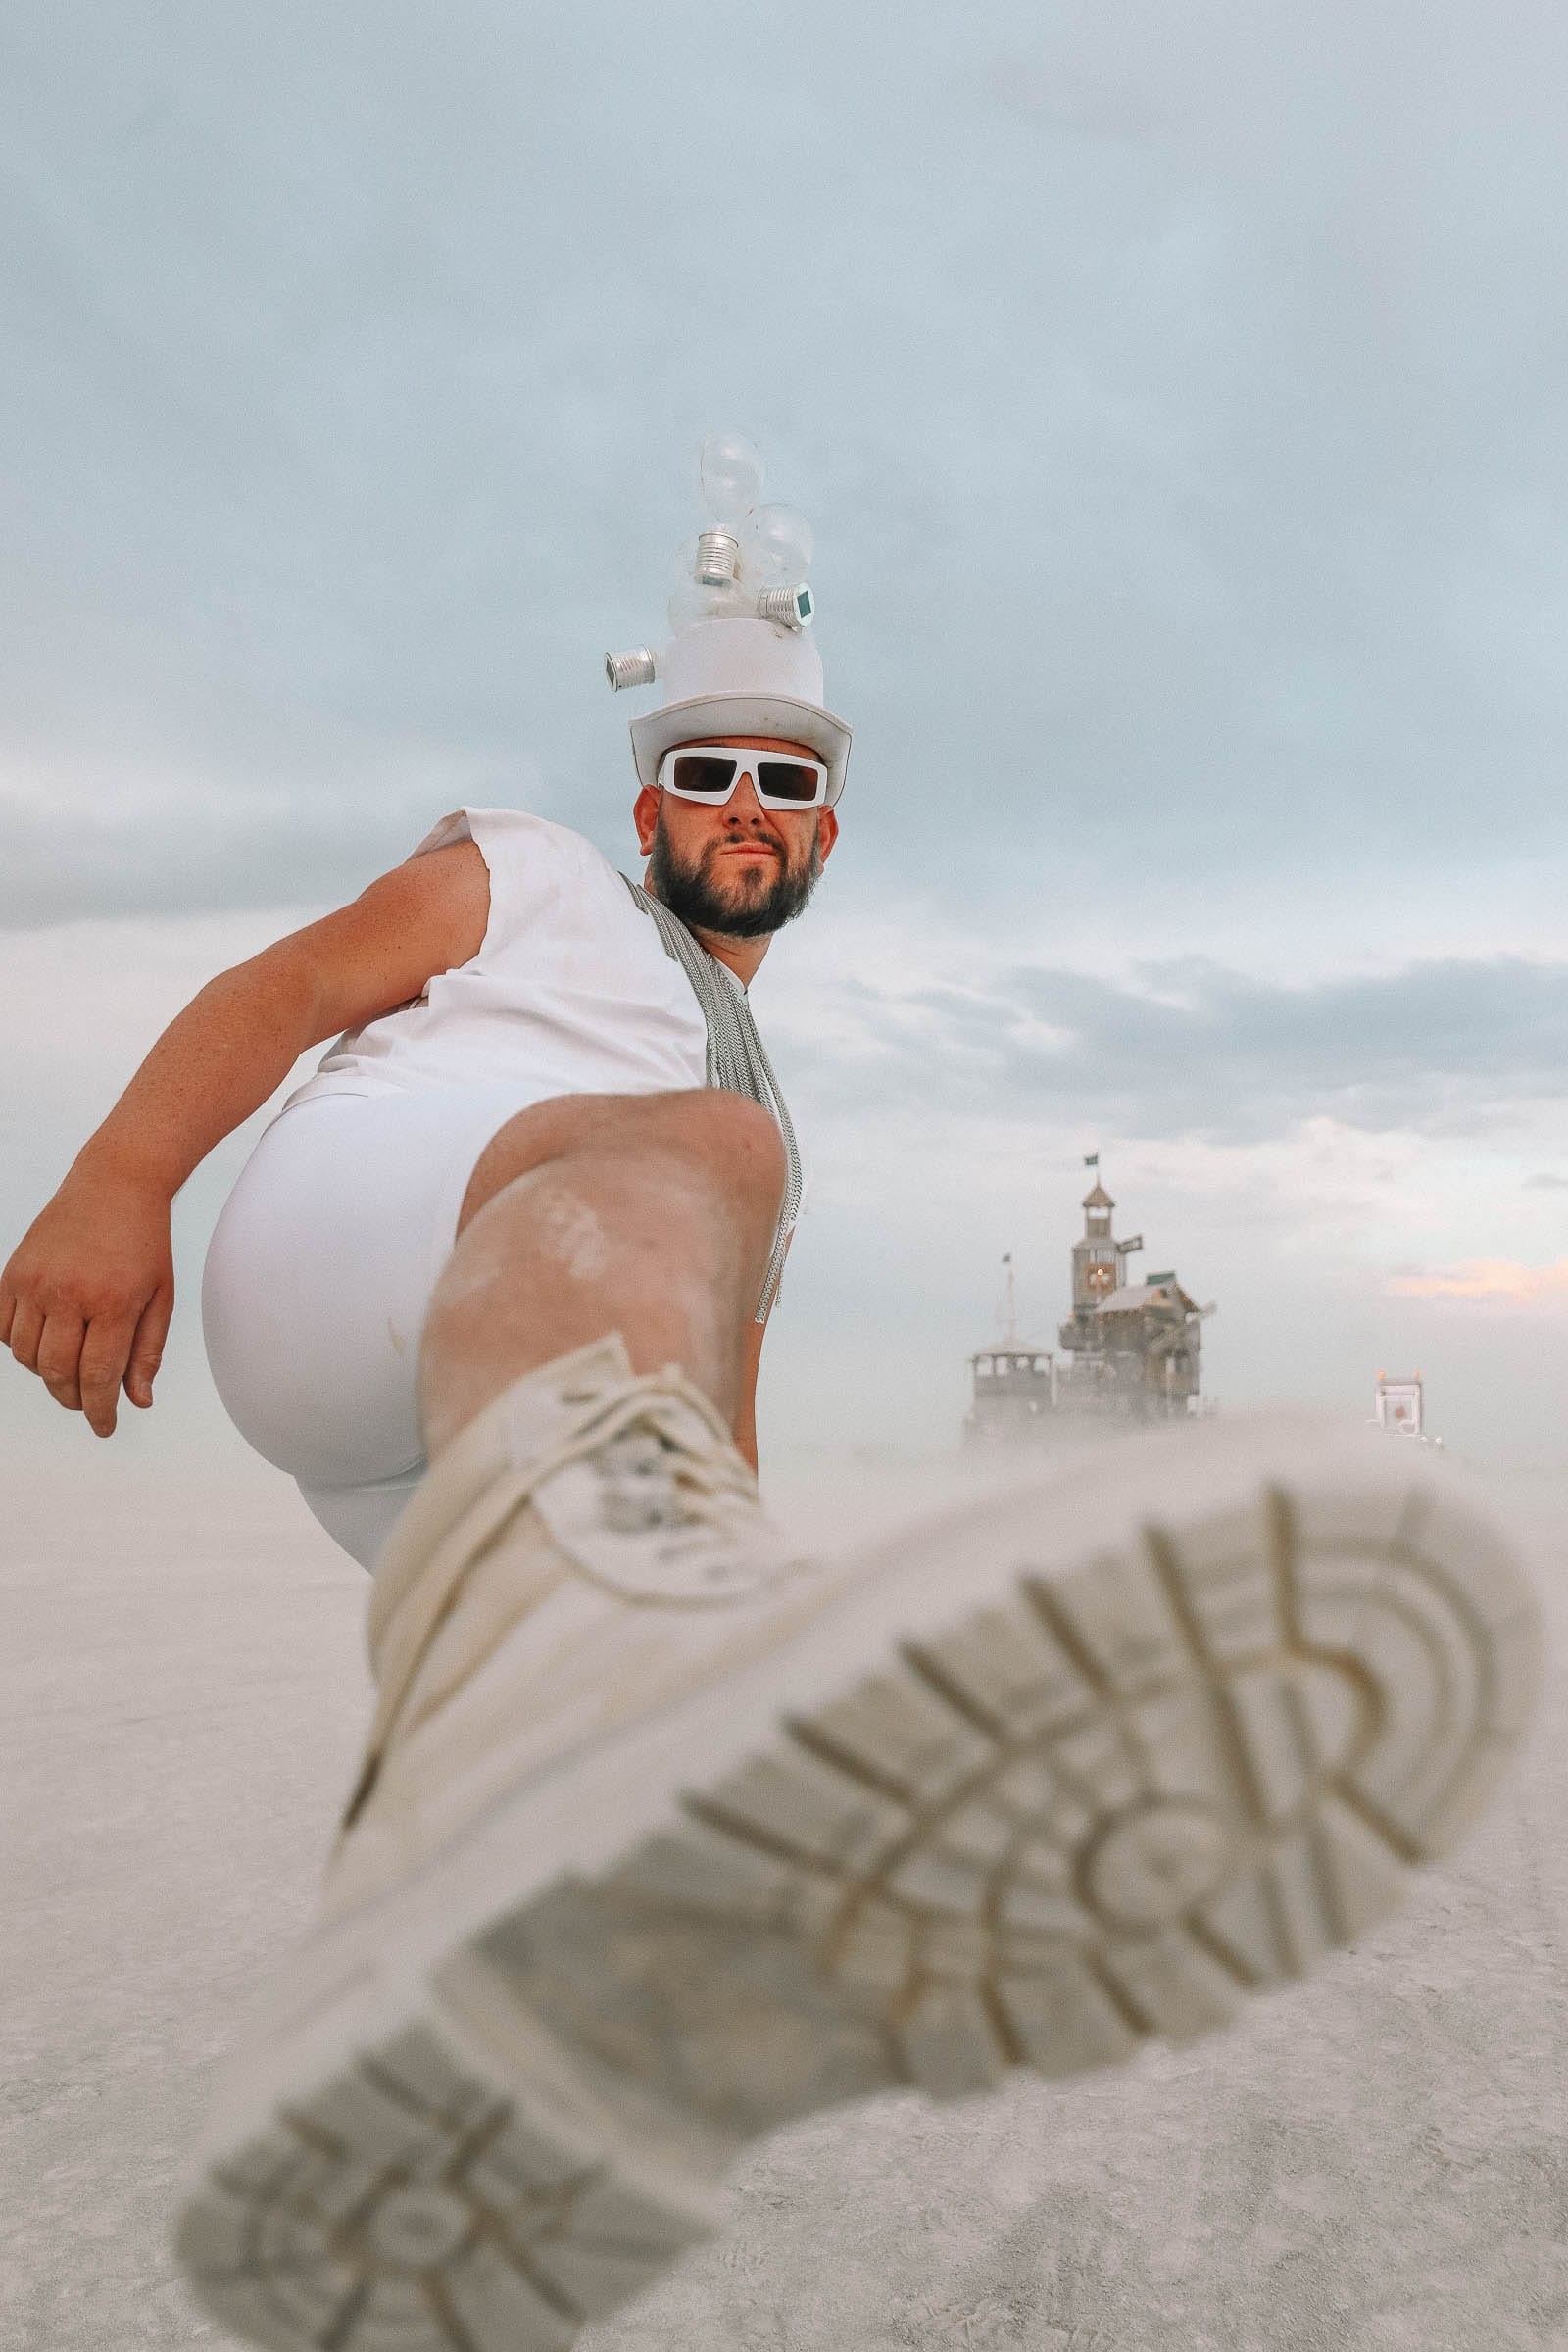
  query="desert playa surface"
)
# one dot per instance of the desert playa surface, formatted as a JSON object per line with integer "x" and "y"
{"x": 1376, "y": 2160}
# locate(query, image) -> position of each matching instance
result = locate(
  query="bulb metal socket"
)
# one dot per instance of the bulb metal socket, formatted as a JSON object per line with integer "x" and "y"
{"x": 791, "y": 608}
{"x": 639, "y": 667}
{"x": 718, "y": 557}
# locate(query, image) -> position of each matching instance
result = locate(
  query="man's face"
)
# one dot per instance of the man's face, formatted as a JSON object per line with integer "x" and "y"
{"x": 742, "y": 871}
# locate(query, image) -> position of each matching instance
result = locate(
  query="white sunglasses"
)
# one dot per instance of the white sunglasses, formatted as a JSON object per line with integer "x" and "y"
{"x": 709, "y": 772}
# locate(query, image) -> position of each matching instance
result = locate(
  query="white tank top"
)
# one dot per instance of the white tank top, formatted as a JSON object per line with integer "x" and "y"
{"x": 572, "y": 991}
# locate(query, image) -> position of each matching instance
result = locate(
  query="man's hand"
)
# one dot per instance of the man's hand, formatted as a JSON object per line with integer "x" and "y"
{"x": 86, "y": 1300}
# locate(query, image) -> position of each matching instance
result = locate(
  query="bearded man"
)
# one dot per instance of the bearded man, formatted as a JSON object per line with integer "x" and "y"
{"x": 665, "y": 1834}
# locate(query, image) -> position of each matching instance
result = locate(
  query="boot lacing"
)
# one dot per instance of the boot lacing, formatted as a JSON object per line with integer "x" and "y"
{"x": 651, "y": 1478}
{"x": 649, "y": 1481}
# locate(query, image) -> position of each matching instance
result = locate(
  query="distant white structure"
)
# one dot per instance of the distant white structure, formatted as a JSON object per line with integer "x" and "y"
{"x": 1014, "y": 1381}
{"x": 1402, "y": 1408}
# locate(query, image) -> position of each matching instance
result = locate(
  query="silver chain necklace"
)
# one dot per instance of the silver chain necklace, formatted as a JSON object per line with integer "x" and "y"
{"x": 737, "y": 1059}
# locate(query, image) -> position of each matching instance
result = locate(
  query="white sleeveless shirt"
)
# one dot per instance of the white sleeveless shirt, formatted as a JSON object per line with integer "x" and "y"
{"x": 572, "y": 991}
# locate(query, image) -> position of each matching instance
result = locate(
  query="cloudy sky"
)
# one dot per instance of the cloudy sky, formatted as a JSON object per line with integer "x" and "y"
{"x": 1177, "y": 395}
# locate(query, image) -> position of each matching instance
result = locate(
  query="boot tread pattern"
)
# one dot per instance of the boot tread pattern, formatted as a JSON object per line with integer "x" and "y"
{"x": 407, "y": 2206}
{"x": 1097, "y": 1808}
{"x": 1110, "y": 1805}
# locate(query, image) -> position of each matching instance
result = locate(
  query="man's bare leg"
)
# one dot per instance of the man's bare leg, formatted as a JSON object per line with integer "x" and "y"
{"x": 652, "y": 1215}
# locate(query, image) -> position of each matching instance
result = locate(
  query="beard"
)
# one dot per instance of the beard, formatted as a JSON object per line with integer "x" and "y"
{"x": 744, "y": 905}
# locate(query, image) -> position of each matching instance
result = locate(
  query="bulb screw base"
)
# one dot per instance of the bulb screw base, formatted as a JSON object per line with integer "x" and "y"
{"x": 718, "y": 559}
{"x": 639, "y": 667}
{"x": 791, "y": 608}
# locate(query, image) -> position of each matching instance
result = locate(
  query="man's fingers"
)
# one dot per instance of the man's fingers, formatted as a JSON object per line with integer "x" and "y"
{"x": 147, "y": 1348}
{"x": 27, "y": 1329}
{"x": 103, "y": 1361}
{"x": 83, "y": 1361}
{"x": 59, "y": 1362}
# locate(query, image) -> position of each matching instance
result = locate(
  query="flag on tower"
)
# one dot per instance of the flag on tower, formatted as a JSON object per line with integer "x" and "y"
{"x": 1090, "y": 1159}
{"x": 1007, "y": 1258}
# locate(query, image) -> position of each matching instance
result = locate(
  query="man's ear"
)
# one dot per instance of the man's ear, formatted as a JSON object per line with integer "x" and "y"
{"x": 644, "y": 816}
{"x": 827, "y": 831}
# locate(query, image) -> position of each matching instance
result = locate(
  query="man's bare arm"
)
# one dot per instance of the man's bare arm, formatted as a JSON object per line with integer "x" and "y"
{"x": 241, "y": 1035}
{"x": 87, "y": 1297}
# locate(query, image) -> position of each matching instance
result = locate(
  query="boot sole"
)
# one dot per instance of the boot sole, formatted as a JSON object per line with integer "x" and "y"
{"x": 1105, "y": 1805}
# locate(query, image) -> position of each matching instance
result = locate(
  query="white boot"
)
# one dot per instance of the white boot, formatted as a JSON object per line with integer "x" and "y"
{"x": 665, "y": 1838}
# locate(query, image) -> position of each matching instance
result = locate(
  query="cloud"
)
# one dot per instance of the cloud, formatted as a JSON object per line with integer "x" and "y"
{"x": 1192, "y": 1048}
{"x": 1191, "y": 535}
{"x": 161, "y": 844}
{"x": 1547, "y": 1182}
{"x": 1490, "y": 1281}
{"x": 1186, "y": 481}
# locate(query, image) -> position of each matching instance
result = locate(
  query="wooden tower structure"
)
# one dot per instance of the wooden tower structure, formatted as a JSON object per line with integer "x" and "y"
{"x": 1133, "y": 1350}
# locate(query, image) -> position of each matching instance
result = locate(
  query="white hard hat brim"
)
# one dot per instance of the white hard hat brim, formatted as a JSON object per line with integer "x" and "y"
{"x": 716, "y": 717}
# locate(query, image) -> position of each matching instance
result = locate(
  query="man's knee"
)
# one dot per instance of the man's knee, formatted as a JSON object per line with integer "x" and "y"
{"x": 726, "y": 1137}
{"x": 710, "y": 1143}
{"x": 732, "y": 1135}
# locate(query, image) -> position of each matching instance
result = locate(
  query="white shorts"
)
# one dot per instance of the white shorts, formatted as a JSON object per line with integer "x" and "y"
{"x": 317, "y": 1278}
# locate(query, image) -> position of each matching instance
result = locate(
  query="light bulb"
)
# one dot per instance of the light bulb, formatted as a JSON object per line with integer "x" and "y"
{"x": 695, "y": 601}
{"x": 639, "y": 667}
{"x": 775, "y": 548}
{"x": 730, "y": 472}
{"x": 791, "y": 608}
{"x": 718, "y": 556}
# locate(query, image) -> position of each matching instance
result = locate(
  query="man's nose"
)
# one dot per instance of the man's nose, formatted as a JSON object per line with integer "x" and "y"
{"x": 744, "y": 801}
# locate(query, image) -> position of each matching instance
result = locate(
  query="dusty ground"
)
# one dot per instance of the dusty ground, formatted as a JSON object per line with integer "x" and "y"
{"x": 1376, "y": 2162}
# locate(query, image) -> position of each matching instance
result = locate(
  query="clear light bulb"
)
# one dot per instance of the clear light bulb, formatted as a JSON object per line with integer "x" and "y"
{"x": 694, "y": 600}
{"x": 730, "y": 473}
{"x": 776, "y": 545}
